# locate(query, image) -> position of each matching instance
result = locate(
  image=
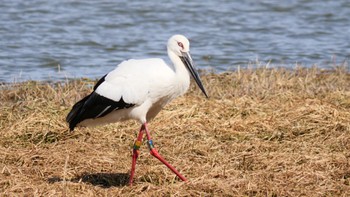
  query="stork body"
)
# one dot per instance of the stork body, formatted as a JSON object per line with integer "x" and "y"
{"x": 138, "y": 89}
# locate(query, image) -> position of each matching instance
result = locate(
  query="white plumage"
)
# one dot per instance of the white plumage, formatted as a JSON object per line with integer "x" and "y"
{"x": 138, "y": 89}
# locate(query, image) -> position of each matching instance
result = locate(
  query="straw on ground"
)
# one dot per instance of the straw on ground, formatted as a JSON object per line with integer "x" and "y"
{"x": 273, "y": 132}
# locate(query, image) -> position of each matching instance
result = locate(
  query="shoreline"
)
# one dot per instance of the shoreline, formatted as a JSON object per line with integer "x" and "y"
{"x": 251, "y": 67}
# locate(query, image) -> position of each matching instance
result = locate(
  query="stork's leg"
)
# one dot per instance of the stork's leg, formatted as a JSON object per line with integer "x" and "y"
{"x": 135, "y": 153}
{"x": 155, "y": 153}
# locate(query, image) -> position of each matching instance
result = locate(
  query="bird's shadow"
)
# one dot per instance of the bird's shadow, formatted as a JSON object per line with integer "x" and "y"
{"x": 104, "y": 180}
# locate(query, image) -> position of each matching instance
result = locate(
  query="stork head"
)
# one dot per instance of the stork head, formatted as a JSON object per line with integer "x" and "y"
{"x": 180, "y": 46}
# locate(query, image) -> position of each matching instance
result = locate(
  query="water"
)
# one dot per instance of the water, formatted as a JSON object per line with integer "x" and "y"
{"x": 56, "y": 40}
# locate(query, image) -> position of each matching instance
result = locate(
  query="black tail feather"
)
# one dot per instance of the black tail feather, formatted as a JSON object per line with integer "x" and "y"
{"x": 72, "y": 117}
{"x": 93, "y": 106}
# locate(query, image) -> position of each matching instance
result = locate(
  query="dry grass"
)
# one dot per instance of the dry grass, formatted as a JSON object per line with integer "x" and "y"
{"x": 263, "y": 132}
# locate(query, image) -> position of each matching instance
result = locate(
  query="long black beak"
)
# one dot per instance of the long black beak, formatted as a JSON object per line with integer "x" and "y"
{"x": 187, "y": 60}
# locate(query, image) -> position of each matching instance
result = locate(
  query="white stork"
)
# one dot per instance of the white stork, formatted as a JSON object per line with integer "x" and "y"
{"x": 138, "y": 89}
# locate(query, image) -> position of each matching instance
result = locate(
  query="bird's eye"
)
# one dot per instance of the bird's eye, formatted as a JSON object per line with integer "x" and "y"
{"x": 180, "y": 45}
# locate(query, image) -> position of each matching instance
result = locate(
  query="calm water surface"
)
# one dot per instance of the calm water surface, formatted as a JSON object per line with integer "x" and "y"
{"x": 56, "y": 40}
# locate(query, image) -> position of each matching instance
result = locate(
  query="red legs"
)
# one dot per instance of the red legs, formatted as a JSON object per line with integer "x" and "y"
{"x": 153, "y": 152}
{"x": 135, "y": 154}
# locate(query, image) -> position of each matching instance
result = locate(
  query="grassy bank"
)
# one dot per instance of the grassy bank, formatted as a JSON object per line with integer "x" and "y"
{"x": 263, "y": 132}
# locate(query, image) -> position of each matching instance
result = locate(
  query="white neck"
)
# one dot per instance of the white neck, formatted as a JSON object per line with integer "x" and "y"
{"x": 182, "y": 76}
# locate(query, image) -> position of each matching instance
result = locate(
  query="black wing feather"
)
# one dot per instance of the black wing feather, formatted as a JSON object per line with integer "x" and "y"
{"x": 77, "y": 107}
{"x": 93, "y": 106}
{"x": 99, "y": 82}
